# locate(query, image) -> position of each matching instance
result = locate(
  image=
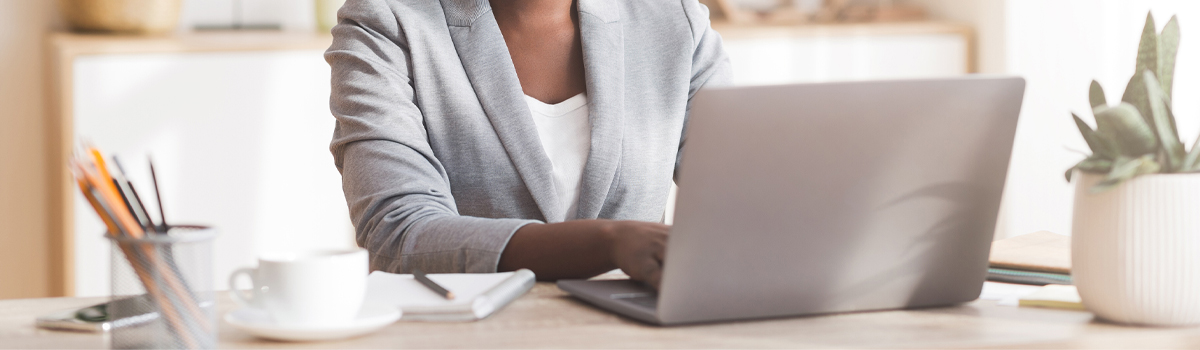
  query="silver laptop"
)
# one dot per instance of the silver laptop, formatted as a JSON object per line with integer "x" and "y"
{"x": 825, "y": 198}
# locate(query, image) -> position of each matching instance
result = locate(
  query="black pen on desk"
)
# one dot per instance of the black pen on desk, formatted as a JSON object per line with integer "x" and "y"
{"x": 162, "y": 215}
{"x": 421, "y": 277}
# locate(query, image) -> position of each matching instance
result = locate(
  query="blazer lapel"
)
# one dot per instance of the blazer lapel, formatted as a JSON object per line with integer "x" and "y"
{"x": 604, "y": 65}
{"x": 489, "y": 67}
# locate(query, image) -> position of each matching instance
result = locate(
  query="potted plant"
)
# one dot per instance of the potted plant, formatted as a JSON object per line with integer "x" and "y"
{"x": 1136, "y": 226}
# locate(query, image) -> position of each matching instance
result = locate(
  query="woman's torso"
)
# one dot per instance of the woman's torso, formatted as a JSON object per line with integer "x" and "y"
{"x": 638, "y": 59}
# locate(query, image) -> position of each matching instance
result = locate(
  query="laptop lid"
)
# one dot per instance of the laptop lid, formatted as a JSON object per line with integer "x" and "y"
{"x": 822, "y": 198}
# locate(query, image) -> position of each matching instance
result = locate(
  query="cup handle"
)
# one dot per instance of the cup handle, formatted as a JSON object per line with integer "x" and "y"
{"x": 246, "y": 298}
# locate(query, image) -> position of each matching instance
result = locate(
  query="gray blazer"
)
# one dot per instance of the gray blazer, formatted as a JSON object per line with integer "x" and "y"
{"x": 439, "y": 156}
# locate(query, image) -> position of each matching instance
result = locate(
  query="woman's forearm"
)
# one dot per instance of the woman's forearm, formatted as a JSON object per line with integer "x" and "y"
{"x": 572, "y": 249}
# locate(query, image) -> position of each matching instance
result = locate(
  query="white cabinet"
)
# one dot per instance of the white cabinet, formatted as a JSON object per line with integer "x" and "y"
{"x": 239, "y": 136}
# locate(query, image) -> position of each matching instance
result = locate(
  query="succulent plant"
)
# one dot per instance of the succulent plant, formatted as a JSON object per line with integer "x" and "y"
{"x": 1138, "y": 135}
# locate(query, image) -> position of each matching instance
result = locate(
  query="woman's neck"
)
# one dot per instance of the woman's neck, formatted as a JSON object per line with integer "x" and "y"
{"x": 545, "y": 46}
{"x": 532, "y": 13}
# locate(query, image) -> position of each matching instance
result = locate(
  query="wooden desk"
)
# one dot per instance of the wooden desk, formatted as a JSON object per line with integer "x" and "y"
{"x": 548, "y": 318}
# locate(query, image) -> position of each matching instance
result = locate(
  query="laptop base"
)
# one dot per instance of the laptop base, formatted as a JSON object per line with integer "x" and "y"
{"x": 625, "y": 297}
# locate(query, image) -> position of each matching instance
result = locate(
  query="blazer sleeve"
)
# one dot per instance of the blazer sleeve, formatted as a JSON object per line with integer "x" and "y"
{"x": 397, "y": 190}
{"x": 710, "y": 63}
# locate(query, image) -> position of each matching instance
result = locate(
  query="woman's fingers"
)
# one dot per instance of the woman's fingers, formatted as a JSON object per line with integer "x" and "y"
{"x": 640, "y": 250}
{"x": 657, "y": 256}
{"x": 653, "y": 261}
{"x": 655, "y": 278}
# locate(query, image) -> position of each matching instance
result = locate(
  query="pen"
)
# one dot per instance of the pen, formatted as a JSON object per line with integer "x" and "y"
{"x": 420, "y": 277}
{"x": 158, "y": 194}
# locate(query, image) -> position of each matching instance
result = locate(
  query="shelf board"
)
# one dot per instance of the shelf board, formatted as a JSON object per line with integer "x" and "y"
{"x": 731, "y": 31}
{"x": 72, "y": 44}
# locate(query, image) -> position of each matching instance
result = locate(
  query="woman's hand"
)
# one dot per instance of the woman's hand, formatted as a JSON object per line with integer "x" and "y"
{"x": 639, "y": 248}
{"x": 585, "y": 248}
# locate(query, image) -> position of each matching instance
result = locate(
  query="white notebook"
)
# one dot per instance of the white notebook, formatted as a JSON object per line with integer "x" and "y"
{"x": 477, "y": 295}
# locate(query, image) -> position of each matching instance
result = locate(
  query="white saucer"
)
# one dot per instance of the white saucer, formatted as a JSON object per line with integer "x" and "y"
{"x": 259, "y": 323}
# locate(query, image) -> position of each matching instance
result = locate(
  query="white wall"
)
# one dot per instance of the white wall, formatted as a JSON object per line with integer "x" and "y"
{"x": 24, "y": 245}
{"x": 1059, "y": 47}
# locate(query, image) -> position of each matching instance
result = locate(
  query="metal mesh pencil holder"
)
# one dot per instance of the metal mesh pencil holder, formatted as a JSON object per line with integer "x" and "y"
{"x": 162, "y": 290}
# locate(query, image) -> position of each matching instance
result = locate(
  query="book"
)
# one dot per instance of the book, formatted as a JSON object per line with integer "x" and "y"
{"x": 477, "y": 295}
{"x": 1026, "y": 277}
{"x": 1037, "y": 258}
{"x": 1041, "y": 251}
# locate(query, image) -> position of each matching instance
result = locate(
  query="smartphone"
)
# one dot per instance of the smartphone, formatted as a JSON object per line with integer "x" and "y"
{"x": 96, "y": 318}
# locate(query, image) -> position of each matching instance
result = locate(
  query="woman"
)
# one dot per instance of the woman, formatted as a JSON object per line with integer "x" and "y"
{"x": 542, "y": 134}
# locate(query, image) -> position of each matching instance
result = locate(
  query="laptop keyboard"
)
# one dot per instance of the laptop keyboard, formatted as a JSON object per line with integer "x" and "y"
{"x": 646, "y": 300}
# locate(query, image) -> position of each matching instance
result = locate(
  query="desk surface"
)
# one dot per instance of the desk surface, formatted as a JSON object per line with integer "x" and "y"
{"x": 548, "y": 318}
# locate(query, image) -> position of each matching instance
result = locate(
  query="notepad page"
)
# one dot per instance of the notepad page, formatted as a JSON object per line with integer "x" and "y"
{"x": 1054, "y": 296}
{"x": 408, "y": 294}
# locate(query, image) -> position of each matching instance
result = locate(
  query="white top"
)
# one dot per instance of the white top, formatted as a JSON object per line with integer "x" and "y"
{"x": 566, "y": 134}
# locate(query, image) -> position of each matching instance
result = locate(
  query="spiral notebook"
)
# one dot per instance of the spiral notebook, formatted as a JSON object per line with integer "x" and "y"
{"x": 477, "y": 295}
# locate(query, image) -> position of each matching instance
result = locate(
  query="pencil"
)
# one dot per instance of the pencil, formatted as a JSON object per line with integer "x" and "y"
{"x": 421, "y": 277}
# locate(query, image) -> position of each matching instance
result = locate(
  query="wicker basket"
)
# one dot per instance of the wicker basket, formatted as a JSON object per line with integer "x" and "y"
{"x": 122, "y": 16}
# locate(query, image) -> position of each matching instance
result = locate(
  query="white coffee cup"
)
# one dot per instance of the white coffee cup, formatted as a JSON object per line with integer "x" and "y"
{"x": 313, "y": 289}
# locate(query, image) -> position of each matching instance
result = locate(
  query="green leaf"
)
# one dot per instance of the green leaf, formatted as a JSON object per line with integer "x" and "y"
{"x": 1125, "y": 129}
{"x": 1164, "y": 123}
{"x": 1168, "y": 47}
{"x": 1135, "y": 94}
{"x": 1096, "y": 165}
{"x": 1093, "y": 164}
{"x": 1147, "y": 58}
{"x": 1099, "y": 145}
{"x": 1175, "y": 129}
{"x": 1191, "y": 163}
{"x": 1125, "y": 168}
{"x": 1096, "y": 95}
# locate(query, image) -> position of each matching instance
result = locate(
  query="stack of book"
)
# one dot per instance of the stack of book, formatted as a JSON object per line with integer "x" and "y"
{"x": 1038, "y": 258}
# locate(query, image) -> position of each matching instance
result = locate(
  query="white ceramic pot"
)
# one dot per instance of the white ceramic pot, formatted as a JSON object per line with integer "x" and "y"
{"x": 1135, "y": 249}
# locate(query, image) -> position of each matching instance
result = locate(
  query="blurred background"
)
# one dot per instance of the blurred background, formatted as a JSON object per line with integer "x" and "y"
{"x": 230, "y": 97}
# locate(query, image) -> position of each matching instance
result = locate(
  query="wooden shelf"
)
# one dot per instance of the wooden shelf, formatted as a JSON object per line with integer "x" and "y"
{"x": 70, "y": 44}
{"x": 731, "y": 31}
